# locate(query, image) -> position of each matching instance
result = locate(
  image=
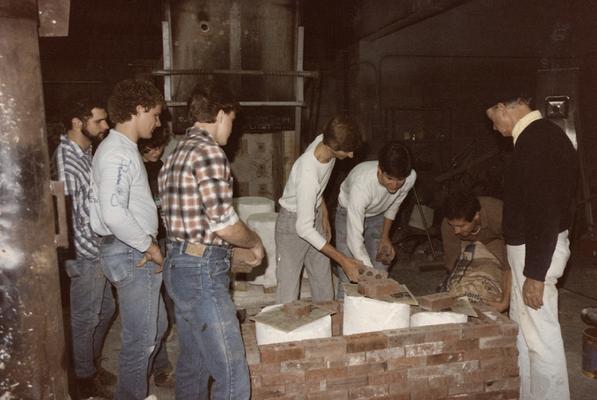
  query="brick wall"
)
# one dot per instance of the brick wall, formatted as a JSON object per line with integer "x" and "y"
{"x": 476, "y": 360}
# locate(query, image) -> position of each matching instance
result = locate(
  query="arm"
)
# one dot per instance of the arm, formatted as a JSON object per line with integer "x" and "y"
{"x": 240, "y": 235}
{"x": 541, "y": 213}
{"x": 306, "y": 199}
{"x": 355, "y": 217}
{"x": 349, "y": 265}
{"x": 327, "y": 228}
{"x": 386, "y": 251}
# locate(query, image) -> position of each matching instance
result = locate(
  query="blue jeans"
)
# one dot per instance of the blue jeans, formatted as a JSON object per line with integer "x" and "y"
{"x": 208, "y": 330}
{"x": 372, "y": 235}
{"x": 142, "y": 314}
{"x": 91, "y": 310}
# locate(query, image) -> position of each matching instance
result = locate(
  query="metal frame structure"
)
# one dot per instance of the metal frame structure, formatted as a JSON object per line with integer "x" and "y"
{"x": 299, "y": 83}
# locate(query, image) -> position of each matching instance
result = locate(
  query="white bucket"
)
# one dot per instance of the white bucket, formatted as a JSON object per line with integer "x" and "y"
{"x": 246, "y": 206}
{"x": 362, "y": 314}
{"x": 265, "y": 225}
{"x": 266, "y": 334}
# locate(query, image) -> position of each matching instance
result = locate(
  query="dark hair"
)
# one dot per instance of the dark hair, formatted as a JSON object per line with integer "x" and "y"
{"x": 129, "y": 94}
{"x": 509, "y": 98}
{"x": 342, "y": 134}
{"x": 80, "y": 106}
{"x": 461, "y": 205}
{"x": 394, "y": 160}
{"x": 159, "y": 137}
{"x": 208, "y": 99}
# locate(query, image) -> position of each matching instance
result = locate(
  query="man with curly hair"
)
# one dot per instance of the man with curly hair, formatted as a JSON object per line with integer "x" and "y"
{"x": 124, "y": 214}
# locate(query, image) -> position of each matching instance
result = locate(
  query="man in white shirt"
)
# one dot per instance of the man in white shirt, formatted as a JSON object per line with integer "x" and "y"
{"x": 367, "y": 205}
{"x": 124, "y": 213}
{"x": 302, "y": 229}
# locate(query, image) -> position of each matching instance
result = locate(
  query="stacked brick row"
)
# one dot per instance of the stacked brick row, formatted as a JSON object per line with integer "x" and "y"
{"x": 476, "y": 360}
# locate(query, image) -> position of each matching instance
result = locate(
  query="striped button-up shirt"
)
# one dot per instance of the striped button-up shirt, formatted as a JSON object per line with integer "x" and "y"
{"x": 72, "y": 165}
{"x": 195, "y": 187}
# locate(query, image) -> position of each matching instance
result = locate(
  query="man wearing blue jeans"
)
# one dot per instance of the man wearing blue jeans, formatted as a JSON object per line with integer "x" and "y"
{"x": 367, "y": 205}
{"x": 124, "y": 213}
{"x": 196, "y": 198}
{"x": 91, "y": 301}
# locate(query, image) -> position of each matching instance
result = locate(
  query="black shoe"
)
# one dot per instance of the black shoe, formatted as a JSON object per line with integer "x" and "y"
{"x": 105, "y": 377}
{"x": 91, "y": 387}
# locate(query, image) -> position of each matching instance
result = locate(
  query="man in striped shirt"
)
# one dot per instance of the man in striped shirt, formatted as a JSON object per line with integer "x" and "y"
{"x": 196, "y": 197}
{"x": 91, "y": 300}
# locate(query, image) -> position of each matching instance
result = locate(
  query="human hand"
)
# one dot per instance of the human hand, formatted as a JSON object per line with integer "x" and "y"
{"x": 153, "y": 254}
{"x": 385, "y": 251}
{"x": 351, "y": 268}
{"x": 532, "y": 293}
{"x": 258, "y": 254}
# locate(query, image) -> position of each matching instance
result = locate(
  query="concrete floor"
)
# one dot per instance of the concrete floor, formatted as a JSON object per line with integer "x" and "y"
{"x": 421, "y": 276}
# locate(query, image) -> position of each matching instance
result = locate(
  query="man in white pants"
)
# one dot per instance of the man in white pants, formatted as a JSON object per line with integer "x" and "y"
{"x": 538, "y": 194}
{"x": 367, "y": 205}
{"x": 302, "y": 228}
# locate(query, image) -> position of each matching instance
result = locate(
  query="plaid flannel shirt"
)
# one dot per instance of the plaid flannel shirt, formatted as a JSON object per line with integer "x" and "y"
{"x": 195, "y": 187}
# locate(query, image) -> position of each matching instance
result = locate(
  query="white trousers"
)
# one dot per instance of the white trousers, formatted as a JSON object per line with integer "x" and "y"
{"x": 541, "y": 358}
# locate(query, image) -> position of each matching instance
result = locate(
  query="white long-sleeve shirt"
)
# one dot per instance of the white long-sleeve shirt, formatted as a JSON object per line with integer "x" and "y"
{"x": 122, "y": 204}
{"x": 363, "y": 196}
{"x": 304, "y": 190}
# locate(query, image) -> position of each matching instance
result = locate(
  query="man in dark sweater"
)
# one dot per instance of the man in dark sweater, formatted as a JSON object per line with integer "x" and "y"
{"x": 538, "y": 195}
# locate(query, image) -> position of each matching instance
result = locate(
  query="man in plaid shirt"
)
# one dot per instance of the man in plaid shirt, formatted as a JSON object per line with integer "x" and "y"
{"x": 196, "y": 197}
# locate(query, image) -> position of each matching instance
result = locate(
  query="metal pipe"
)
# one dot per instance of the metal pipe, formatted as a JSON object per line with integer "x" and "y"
{"x": 169, "y": 72}
{"x": 32, "y": 353}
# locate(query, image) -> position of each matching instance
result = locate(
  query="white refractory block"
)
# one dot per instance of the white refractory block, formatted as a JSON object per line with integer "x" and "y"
{"x": 321, "y": 328}
{"x": 265, "y": 226}
{"x": 362, "y": 314}
{"x": 248, "y": 205}
{"x": 427, "y": 318}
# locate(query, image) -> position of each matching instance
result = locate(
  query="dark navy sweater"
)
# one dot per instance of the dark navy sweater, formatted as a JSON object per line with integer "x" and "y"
{"x": 538, "y": 194}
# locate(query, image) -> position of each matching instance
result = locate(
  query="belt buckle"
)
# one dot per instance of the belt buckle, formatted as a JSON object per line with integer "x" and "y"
{"x": 195, "y": 249}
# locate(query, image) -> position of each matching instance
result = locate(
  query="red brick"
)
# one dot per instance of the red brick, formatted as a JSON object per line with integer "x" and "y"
{"x": 368, "y": 273}
{"x": 423, "y": 349}
{"x": 268, "y": 392}
{"x": 442, "y": 370}
{"x": 467, "y": 387}
{"x": 252, "y": 354}
{"x": 445, "y": 358}
{"x": 407, "y": 387}
{"x": 276, "y": 353}
{"x": 478, "y": 331}
{"x": 329, "y": 348}
{"x": 401, "y": 337}
{"x": 321, "y": 374}
{"x": 451, "y": 332}
{"x": 395, "y": 376}
{"x": 504, "y": 384}
{"x": 378, "y": 288}
{"x": 437, "y": 301}
{"x": 366, "y": 369}
{"x": 339, "y": 394}
{"x": 366, "y": 342}
{"x": 301, "y": 365}
{"x": 368, "y": 392}
{"x": 283, "y": 378}
{"x": 261, "y": 369}
{"x": 509, "y": 329}
{"x": 405, "y": 396}
{"x": 406, "y": 362}
{"x": 497, "y": 341}
{"x": 347, "y": 382}
{"x": 461, "y": 345}
{"x": 385, "y": 354}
